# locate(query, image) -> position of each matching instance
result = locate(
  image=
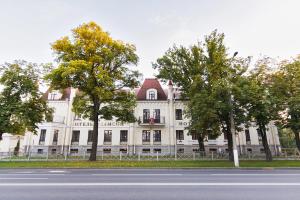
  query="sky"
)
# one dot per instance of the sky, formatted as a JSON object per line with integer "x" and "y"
{"x": 253, "y": 28}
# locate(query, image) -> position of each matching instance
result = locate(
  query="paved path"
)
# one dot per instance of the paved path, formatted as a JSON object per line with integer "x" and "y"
{"x": 148, "y": 184}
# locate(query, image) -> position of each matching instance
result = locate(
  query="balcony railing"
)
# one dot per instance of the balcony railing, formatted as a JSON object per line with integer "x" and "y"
{"x": 152, "y": 121}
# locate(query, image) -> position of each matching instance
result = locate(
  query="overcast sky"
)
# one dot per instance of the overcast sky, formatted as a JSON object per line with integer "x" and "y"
{"x": 253, "y": 28}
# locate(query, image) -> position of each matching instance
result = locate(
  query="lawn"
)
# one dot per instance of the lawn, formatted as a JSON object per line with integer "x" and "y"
{"x": 145, "y": 164}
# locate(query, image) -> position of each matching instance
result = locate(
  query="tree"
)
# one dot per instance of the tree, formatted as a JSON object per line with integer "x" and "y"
{"x": 21, "y": 102}
{"x": 286, "y": 89}
{"x": 258, "y": 100}
{"x": 95, "y": 64}
{"x": 205, "y": 75}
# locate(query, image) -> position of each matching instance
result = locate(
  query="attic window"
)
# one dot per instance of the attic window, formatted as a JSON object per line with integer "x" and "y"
{"x": 151, "y": 94}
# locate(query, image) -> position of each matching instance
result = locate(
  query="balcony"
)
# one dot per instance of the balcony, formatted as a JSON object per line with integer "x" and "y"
{"x": 152, "y": 121}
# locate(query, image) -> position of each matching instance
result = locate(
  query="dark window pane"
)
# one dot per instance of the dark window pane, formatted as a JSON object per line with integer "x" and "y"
{"x": 178, "y": 114}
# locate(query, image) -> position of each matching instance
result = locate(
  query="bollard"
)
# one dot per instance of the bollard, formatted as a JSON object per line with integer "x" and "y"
{"x": 194, "y": 156}
{"x": 120, "y": 155}
{"x": 29, "y": 154}
{"x": 157, "y": 156}
{"x": 212, "y": 155}
{"x": 175, "y": 156}
{"x": 139, "y": 156}
{"x": 47, "y": 156}
{"x": 102, "y": 155}
{"x": 83, "y": 155}
{"x": 9, "y": 155}
{"x": 66, "y": 155}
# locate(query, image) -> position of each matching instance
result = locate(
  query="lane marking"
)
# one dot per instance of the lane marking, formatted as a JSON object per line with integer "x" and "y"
{"x": 255, "y": 174}
{"x": 31, "y": 175}
{"x": 137, "y": 174}
{"x": 24, "y": 178}
{"x": 148, "y": 184}
{"x": 57, "y": 171}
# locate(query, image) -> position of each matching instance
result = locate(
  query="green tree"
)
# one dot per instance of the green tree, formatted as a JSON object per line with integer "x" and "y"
{"x": 97, "y": 66}
{"x": 205, "y": 74}
{"x": 21, "y": 102}
{"x": 261, "y": 105}
{"x": 287, "y": 90}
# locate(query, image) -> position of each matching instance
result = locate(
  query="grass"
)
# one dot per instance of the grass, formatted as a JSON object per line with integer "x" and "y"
{"x": 145, "y": 164}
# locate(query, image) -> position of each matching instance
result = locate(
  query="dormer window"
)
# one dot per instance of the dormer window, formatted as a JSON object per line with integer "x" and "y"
{"x": 151, "y": 94}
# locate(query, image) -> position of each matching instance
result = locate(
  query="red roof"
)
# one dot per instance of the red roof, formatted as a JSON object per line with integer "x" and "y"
{"x": 150, "y": 83}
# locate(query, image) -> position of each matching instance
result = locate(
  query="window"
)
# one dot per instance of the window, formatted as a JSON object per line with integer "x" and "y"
{"x": 180, "y": 150}
{"x": 42, "y": 136}
{"x": 156, "y": 115}
{"x": 52, "y": 96}
{"x": 157, "y": 136}
{"x": 107, "y": 136}
{"x": 259, "y": 136}
{"x": 247, "y": 135}
{"x": 179, "y": 135}
{"x": 53, "y": 151}
{"x": 106, "y": 150}
{"x": 212, "y": 150}
{"x": 194, "y": 135}
{"x": 55, "y": 137}
{"x": 123, "y": 135}
{"x": 196, "y": 150}
{"x": 146, "y": 150}
{"x": 157, "y": 150}
{"x": 90, "y": 137}
{"x": 151, "y": 95}
{"x": 178, "y": 114}
{"x": 123, "y": 150}
{"x": 146, "y": 115}
{"x": 75, "y": 137}
{"x": 40, "y": 151}
{"x": 146, "y": 136}
{"x": 74, "y": 151}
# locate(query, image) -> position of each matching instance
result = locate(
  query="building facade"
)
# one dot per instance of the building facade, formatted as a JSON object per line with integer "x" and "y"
{"x": 160, "y": 128}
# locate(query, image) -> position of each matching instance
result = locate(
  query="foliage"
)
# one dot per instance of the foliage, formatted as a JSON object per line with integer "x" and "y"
{"x": 286, "y": 89}
{"x": 21, "y": 102}
{"x": 97, "y": 65}
{"x": 206, "y": 75}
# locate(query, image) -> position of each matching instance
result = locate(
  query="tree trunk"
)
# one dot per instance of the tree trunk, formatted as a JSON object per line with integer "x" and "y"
{"x": 268, "y": 153}
{"x": 201, "y": 145}
{"x": 1, "y": 136}
{"x": 297, "y": 138}
{"x": 93, "y": 155}
{"x": 229, "y": 140}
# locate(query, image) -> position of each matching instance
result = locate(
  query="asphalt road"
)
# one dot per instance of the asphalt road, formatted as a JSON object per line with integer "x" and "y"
{"x": 148, "y": 184}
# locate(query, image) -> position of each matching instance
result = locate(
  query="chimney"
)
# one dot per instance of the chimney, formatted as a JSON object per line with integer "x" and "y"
{"x": 170, "y": 90}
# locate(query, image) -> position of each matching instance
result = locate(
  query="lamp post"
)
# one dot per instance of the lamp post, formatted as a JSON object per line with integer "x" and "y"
{"x": 232, "y": 127}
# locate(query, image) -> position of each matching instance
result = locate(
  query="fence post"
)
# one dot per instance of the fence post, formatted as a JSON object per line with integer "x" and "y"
{"x": 66, "y": 155}
{"x": 157, "y": 156}
{"x": 194, "y": 156}
{"x": 102, "y": 155}
{"x": 47, "y": 155}
{"x": 175, "y": 155}
{"x": 120, "y": 155}
{"x": 83, "y": 154}
{"x": 212, "y": 155}
{"x": 139, "y": 156}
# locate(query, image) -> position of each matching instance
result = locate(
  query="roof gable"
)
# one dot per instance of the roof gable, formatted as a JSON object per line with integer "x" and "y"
{"x": 148, "y": 84}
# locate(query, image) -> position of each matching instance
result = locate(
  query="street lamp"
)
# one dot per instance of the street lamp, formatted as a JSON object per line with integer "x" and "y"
{"x": 232, "y": 127}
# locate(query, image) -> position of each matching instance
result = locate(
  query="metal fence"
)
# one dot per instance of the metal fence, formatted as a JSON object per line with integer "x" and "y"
{"x": 286, "y": 154}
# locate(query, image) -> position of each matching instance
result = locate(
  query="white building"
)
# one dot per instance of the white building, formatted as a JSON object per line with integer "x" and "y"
{"x": 160, "y": 128}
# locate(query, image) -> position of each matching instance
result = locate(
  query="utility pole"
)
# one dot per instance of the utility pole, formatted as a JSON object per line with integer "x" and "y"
{"x": 232, "y": 128}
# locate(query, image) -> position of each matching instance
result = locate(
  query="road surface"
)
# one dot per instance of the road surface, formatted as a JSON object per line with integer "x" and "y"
{"x": 149, "y": 184}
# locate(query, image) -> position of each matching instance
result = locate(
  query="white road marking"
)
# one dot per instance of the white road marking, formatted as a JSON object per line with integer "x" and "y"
{"x": 24, "y": 172}
{"x": 32, "y": 174}
{"x": 24, "y": 178}
{"x": 57, "y": 171}
{"x": 137, "y": 174}
{"x": 149, "y": 184}
{"x": 255, "y": 174}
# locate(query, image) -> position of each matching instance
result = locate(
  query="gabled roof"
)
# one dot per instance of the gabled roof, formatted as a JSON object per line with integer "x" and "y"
{"x": 148, "y": 84}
